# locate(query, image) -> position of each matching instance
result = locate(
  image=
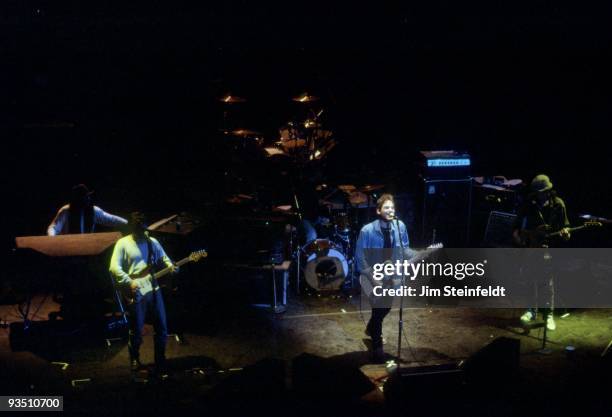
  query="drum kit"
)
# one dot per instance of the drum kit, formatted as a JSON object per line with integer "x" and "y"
{"x": 302, "y": 140}
{"x": 325, "y": 258}
{"x": 329, "y": 257}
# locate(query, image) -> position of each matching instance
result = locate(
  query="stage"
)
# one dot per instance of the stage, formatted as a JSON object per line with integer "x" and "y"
{"x": 247, "y": 357}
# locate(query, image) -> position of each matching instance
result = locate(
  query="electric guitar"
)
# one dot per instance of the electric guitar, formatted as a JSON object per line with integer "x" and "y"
{"x": 368, "y": 283}
{"x": 538, "y": 237}
{"x": 133, "y": 295}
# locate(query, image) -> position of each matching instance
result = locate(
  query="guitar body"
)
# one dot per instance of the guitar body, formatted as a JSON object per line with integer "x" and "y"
{"x": 541, "y": 236}
{"x": 367, "y": 283}
{"x": 537, "y": 238}
{"x": 132, "y": 296}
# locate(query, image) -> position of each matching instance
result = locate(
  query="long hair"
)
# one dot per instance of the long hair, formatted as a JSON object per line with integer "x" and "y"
{"x": 80, "y": 203}
{"x": 532, "y": 196}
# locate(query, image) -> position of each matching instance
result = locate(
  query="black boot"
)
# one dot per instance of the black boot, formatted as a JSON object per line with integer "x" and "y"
{"x": 378, "y": 355}
{"x": 160, "y": 371}
{"x": 135, "y": 364}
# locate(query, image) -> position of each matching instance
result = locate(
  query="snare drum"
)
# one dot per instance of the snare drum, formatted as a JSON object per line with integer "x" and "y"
{"x": 326, "y": 266}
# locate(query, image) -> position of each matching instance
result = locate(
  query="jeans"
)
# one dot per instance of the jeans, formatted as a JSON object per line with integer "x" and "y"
{"x": 375, "y": 324}
{"x": 151, "y": 303}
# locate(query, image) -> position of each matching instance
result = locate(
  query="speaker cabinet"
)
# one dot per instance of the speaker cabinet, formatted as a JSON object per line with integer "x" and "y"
{"x": 447, "y": 206}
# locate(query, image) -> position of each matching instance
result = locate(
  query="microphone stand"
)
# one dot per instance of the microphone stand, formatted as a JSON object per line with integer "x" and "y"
{"x": 401, "y": 309}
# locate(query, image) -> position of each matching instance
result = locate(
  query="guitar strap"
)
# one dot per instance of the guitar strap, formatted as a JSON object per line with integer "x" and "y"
{"x": 546, "y": 222}
{"x": 150, "y": 252}
{"x": 150, "y": 263}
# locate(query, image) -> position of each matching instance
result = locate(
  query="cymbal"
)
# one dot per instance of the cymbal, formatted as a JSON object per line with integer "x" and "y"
{"x": 286, "y": 209}
{"x": 348, "y": 188}
{"x": 305, "y": 98}
{"x": 272, "y": 151}
{"x": 243, "y": 133}
{"x": 232, "y": 99}
{"x": 357, "y": 198}
{"x": 239, "y": 198}
{"x": 372, "y": 187}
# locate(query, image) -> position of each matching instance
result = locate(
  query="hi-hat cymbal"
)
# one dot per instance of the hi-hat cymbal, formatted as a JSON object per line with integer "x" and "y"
{"x": 305, "y": 98}
{"x": 232, "y": 99}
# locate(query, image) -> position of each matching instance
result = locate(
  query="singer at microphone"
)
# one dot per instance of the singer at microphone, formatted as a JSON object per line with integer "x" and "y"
{"x": 386, "y": 232}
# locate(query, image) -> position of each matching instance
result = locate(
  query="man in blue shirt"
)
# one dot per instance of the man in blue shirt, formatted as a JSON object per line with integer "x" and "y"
{"x": 81, "y": 215}
{"x": 382, "y": 233}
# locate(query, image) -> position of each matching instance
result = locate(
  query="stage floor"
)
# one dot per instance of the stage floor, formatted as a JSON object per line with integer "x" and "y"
{"x": 208, "y": 348}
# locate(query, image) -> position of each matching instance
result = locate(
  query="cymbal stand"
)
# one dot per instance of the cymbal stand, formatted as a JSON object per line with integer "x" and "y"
{"x": 297, "y": 252}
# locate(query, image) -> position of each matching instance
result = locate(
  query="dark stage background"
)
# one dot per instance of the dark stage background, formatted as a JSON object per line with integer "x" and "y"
{"x": 124, "y": 97}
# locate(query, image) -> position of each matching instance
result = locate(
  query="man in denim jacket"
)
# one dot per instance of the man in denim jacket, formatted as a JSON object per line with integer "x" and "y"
{"x": 382, "y": 233}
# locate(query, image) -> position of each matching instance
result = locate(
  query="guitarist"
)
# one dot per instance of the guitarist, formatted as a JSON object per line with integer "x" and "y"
{"x": 379, "y": 234}
{"x": 134, "y": 258}
{"x": 542, "y": 213}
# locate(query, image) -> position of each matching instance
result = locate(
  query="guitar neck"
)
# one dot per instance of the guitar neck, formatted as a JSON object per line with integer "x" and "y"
{"x": 571, "y": 229}
{"x": 421, "y": 255}
{"x": 168, "y": 269}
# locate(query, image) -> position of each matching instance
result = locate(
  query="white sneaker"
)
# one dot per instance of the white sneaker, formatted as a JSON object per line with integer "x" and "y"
{"x": 550, "y": 322}
{"x": 527, "y": 317}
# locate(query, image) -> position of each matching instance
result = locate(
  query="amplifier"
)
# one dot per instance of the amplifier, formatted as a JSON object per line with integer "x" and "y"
{"x": 445, "y": 164}
{"x": 498, "y": 233}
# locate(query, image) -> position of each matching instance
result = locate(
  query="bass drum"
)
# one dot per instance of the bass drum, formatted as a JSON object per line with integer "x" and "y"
{"x": 326, "y": 266}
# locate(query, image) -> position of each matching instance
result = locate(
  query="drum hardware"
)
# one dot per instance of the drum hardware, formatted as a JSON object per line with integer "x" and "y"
{"x": 311, "y": 124}
{"x": 342, "y": 223}
{"x": 246, "y": 143}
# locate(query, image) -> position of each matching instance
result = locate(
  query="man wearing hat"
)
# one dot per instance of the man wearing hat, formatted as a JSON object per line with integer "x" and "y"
{"x": 80, "y": 215}
{"x": 543, "y": 212}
